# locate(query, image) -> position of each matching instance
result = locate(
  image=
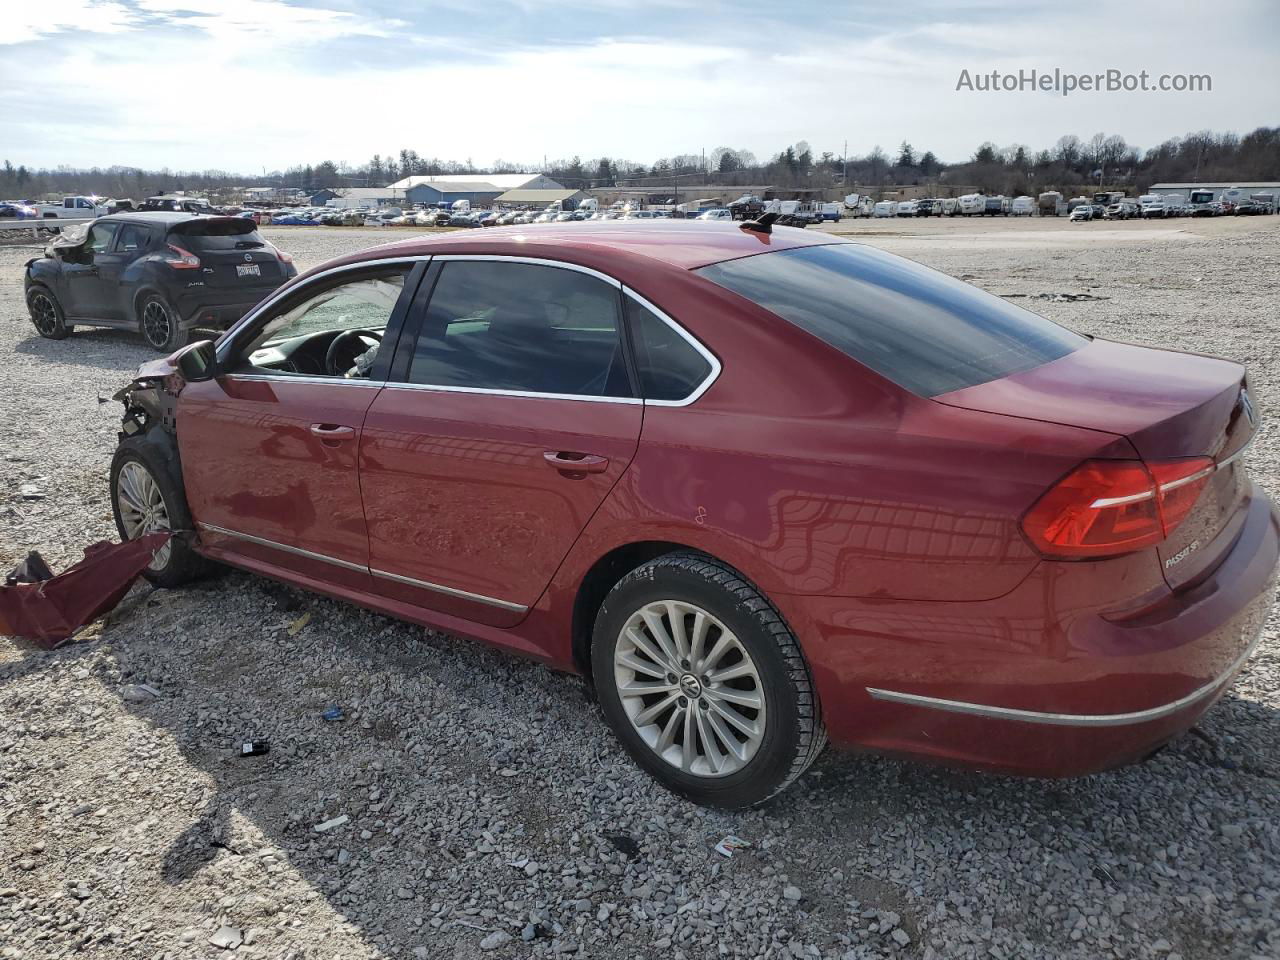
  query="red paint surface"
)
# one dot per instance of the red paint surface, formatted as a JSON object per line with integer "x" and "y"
{"x": 885, "y": 526}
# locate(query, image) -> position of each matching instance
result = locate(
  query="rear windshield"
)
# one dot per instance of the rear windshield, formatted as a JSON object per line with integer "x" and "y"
{"x": 923, "y": 330}
{"x": 228, "y": 233}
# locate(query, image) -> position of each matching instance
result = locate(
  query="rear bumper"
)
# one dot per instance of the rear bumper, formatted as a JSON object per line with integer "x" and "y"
{"x": 218, "y": 308}
{"x": 1029, "y": 685}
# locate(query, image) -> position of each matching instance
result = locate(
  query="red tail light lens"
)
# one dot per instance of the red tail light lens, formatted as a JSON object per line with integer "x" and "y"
{"x": 179, "y": 258}
{"x": 1108, "y": 507}
{"x": 281, "y": 255}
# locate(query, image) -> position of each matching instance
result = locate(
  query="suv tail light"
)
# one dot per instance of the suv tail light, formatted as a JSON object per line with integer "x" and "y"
{"x": 280, "y": 254}
{"x": 1107, "y": 507}
{"x": 179, "y": 258}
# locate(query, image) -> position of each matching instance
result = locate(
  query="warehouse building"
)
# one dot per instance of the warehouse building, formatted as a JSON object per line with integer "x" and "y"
{"x": 360, "y": 196}
{"x": 540, "y": 199}
{"x": 481, "y": 189}
{"x": 1248, "y": 189}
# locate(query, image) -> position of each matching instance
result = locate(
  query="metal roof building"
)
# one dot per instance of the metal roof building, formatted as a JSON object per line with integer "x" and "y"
{"x": 479, "y": 188}
{"x": 541, "y": 198}
{"x": 1184, "y": 189}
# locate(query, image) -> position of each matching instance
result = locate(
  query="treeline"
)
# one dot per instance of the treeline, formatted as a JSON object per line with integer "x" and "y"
{"x": 1015, "y": 169}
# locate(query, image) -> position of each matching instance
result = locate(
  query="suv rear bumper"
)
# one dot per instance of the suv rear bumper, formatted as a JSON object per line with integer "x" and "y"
{"x": 1021, "y": 686}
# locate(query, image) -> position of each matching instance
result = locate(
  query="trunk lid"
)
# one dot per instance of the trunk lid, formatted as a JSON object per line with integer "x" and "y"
{"x": 1168, "y": 405}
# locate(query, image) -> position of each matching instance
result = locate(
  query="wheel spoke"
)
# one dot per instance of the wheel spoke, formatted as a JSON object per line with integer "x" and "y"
{"x": 741, "y": 669}
{"x": 675, "y": 617}
{"x": 688, "y": 748}
{"x": 660, "y": 635}
{"x": 697, "y": 637}
{"x": 736, "y": 720}
{"x": 647, "y": 667}
{"x": 743, "y": 698}
{"x": 708, "y": 741}
{"x": 642, "y": 644}
{"x": 668, "y": 735}
{"x": 649, "y": 714}
{"x": 637, "y": 688}
{"x": 726, "y": 643}
{"x": 731, "y": 744}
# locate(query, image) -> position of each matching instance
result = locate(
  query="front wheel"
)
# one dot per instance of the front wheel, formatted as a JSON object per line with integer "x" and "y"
{"x": 703, "y": 683}
{"x": 159, "y": 325}
{"x": 47, "y": 315}
{"x": 146, "y": 498}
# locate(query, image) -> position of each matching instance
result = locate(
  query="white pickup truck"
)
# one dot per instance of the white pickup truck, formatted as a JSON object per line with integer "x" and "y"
{"x": 77, "y": 208}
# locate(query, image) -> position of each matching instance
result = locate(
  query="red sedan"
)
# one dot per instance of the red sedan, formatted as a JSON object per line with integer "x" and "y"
{"x": 761, "y": 489}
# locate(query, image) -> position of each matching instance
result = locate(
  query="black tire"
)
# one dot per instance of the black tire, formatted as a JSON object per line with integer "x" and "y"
{"x": 46, "y": 314}
{"x": 158, "y": 323}
{"x": 159, "y": 461}
{"x": 793, "y": 734}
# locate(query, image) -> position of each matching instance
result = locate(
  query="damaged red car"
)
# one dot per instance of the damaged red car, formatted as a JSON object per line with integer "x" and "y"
{"x": 762, "y": 488}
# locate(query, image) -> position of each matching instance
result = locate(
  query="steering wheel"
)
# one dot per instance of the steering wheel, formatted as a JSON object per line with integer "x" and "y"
{"x": 346, "y": 340}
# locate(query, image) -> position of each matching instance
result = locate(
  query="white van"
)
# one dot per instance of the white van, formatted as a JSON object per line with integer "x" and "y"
{"x": 906, "y": 208}
{"x": 972, "y": 203}
{"x": 885, "y": 208}
{"x": 1152, "y": 205}
{"x": 829, "y": 211}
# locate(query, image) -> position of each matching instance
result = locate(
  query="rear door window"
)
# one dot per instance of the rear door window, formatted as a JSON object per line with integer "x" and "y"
{"x": 670, "y": 367}
{"x": 132, "y": 238}
{"x": 521, "y": 327}
{"x": 925, "y": 331}
{"x": 100, "y": 235}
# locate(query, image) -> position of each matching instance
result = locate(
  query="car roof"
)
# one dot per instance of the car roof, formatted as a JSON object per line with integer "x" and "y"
{"x": 685, "y": 244}
{"x": 165, "y": 217}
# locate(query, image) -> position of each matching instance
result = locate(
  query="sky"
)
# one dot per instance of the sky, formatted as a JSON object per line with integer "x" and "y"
{"x": 254, "y": 85}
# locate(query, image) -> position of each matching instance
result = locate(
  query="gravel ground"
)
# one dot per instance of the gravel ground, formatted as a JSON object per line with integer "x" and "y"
{"x": 472, "y": 805}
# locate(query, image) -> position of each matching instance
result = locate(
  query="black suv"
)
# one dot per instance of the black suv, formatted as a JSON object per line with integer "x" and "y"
{"x": 158, "y": 273}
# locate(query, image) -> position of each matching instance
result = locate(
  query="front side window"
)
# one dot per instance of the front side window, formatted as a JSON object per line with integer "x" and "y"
{"x": 336, "y": 332}
{"x": 925, "y": 331}
{"x": 511, "y": 326}
{"x": 100, "y": 234}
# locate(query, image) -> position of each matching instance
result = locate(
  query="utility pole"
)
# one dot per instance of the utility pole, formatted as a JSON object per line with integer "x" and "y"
{"x": 844, "y": 177}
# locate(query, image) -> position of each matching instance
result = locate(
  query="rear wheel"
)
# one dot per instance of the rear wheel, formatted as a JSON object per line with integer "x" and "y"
{"x": 703, "y": 683}
{"x": 158, "y": 324}
{"x": 46, "y": 314}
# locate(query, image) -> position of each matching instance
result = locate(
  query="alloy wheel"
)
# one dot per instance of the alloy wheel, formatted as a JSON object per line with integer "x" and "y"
{"x": 142, "y": 507}
{"x": 155, "y": 323}
{"x": 44, "y": 314}
{"x": 690, "y": 688}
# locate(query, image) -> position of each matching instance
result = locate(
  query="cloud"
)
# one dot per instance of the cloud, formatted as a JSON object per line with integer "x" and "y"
{"x": 26, "y": 20}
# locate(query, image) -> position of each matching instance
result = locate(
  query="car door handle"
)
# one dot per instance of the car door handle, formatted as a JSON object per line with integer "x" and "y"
{"x": 576, "y": 462}
{"x": 332, "y": 431}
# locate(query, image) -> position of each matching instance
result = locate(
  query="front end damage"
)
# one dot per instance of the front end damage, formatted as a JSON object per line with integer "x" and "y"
{"x": 151, "y": 399}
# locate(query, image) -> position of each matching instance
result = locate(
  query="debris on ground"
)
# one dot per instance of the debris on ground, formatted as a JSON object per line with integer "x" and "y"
{"x": 731, "y": 845}
{"x": 254, "y": 748}
{"x": 38, "y": 605}
{"x": 333, "y": 714}
{"x": 298, "y": 624}
{"x": 331, "y": 824}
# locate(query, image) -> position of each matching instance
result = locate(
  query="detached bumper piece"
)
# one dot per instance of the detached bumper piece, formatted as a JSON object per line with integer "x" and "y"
{"x": 37, "y": 605}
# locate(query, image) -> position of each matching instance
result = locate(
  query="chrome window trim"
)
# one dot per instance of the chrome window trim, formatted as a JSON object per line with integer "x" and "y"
{"x": 689, "y": 338}
{"x": 490, "y": 392}
{"x": 285, "y": 291}
{"x": 535, "y": 261}
{"x": 296, "y": 551}
{"x": 450, "y": 591}
{"x": 306, "y": 378}
{"x": 361, "y": 568}
{"x": 1068, "y": 719}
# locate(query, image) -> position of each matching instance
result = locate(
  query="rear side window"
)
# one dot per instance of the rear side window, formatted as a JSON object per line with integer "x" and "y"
{"x": 132, "y": 238}
{"x": 925, "y": 331}
{"x": 231, "y": 233}
{"x": 670, "y": 367}
{"x": 521, "y": 327}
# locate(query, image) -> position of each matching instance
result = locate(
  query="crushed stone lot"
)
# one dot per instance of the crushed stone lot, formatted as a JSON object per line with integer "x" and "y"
{"x": 474, "y": 805}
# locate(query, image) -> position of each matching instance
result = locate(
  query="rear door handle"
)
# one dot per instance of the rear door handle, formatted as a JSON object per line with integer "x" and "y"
{"x": 332, "y": 431}
{"x": 576, "y": 462}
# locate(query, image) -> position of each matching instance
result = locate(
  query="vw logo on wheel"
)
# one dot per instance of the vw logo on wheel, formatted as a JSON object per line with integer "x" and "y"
{"x": 690, "y": 686}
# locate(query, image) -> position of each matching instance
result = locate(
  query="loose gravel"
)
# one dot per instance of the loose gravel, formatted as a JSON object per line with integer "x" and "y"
{"x": 473, "y": 805}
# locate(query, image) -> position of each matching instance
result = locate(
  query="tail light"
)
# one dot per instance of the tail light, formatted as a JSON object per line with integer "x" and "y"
{"x": 281, "y": 255}
{"x": 1107, "y": 507}
{"x": 179, "y": 258}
